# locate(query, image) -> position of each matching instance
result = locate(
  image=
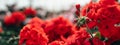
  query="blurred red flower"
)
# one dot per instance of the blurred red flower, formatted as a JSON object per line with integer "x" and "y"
{"x": 14, "y": 19}
{"x": 30, "y": 12}
{"x": 8, "y": 20}
{"x": 18, "y": 16}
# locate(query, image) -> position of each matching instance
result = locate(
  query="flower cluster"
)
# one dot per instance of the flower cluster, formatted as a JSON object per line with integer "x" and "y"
{"x": 105, "y": 15}
{"x": 57, "y": 28}
{"x": 99, "y": 24}
{"x": 58, "y": 31}
{"x": 50, "y": 32}
{"x": 14, "y": 19}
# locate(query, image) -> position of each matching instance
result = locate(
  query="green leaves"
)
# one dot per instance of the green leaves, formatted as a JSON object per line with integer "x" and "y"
{"x": 9, "y": 35}
{"x": 8, "y": 38}
{"x": 81, "y": 21}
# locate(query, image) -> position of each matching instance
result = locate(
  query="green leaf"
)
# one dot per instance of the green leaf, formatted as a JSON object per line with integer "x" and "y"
{"x": 98, "y": 35}
{"x": 81, "y": 21}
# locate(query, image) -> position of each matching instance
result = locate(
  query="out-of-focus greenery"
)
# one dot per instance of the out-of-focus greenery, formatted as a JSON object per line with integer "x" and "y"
{"x": 10, "y": 35}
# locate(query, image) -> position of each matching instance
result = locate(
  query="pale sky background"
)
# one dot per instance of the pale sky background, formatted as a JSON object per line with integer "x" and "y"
{"x": 50, "y": 5}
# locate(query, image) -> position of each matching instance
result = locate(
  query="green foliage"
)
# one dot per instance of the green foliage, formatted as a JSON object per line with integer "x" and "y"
{"x": 10, "y": 35}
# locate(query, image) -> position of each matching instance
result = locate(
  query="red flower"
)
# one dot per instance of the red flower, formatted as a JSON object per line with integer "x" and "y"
{"x": 92, "y": 9}
{"x": 108, "y": 19}
{"x": 30, "y": 12}
{"x": 14, "y": 19}
{"x": 62, "y": 25}
{"x": 8, "y": 20}
{"x": 58, "y": 27}
{"x": 79, "y": 38}
{"x": 105, "y": 14}
{"x": 33, "y": 35}
{"x": 18, "y": 16}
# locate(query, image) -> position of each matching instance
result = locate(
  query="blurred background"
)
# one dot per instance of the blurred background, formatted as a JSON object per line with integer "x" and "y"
{"x": 49, "y": 5}
{"x": 44, "y": 9}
